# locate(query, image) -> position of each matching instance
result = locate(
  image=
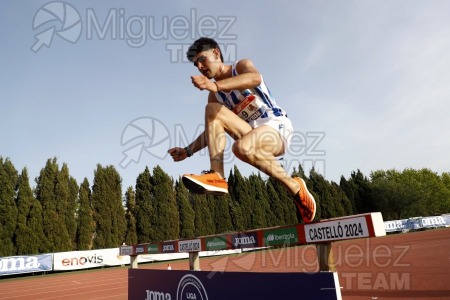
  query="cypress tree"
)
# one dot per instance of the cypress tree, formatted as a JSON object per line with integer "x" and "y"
{"x": 27, "y": 239}
{"x": 35, "y": 224}
{"x": 350, "y": 190}
{"x": 8, "y": 208}
{"x": 332, "y": 200}
{"x": 85, "y": 220}
{"x": 346, "y": 207}
{"x": 109, "y": 212}
{"x": 144, "y": 208}
{"x": 187, "y": 214}
{"x": 131, "y": 235}
{"x": 203, "y": 220}
{"x": 211, "y": 206}
{"x": 222, "y": 217}
{"x": 260, "y": 203}
{"x": 276, "y": 215}
{"x": 119, "y": 228}
{"x": 324, "y": 199}
{"x": 235, "y": 209}
{"x": 72, "y": 215}
{"x": 362, "y": 192}
{"x": 67, "y": 215}
{"x": 289, "y": 215}
{"x": 166, "y": 220}
{"x": 239, "y": 191}
{"x": 53, "y": 223}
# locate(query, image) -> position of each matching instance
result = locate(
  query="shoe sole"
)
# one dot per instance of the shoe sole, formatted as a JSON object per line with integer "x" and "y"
{"x": 303, "y": 186}
{"x": 197, "y": 187}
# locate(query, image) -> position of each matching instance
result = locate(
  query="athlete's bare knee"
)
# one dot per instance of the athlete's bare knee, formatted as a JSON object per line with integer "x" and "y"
{"x": 242, "y": 152}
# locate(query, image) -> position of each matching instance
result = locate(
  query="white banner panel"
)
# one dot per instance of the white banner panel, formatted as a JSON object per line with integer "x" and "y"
{"x": 350, "y": 228}
{"x": 76, "y": 260}
{"x": 25, "y": 264}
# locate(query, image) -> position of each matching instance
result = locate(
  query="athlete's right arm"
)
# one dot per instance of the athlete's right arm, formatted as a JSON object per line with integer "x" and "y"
{"x": 200, "y": 142}
{"x": 179, "y": 154}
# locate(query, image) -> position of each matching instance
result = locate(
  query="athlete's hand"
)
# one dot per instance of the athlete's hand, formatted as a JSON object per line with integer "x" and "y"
{"x": 203, "y": 83}
{"x": 177, "y": 153}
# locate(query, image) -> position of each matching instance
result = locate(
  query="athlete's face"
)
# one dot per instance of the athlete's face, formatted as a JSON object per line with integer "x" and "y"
{"x": 208, "y": 62}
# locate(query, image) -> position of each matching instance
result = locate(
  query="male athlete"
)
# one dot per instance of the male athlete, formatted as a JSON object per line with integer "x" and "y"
{"x": 241, "y": 105}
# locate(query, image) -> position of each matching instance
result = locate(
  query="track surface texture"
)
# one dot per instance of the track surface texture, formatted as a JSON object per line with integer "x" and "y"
{"x": 401, "y": 266}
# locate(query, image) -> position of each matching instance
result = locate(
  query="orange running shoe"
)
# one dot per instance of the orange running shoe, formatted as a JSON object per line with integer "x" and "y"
{"x": 305, "y": 202}
{"x": 209, "y": 182}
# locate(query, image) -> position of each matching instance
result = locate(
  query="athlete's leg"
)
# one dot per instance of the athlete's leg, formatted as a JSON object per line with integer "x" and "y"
{"x": 219, "y": 120}
{"x": 259, "y": 147}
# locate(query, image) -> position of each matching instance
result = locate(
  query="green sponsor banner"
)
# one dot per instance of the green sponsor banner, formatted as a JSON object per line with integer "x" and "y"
{"x": 216, "y": 243}
{"x": 281, "y": 236}
{"x": 153, "y": 249}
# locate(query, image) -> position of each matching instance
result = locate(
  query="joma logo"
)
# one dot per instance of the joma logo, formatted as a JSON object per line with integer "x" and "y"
{"x": 244, "y": 240}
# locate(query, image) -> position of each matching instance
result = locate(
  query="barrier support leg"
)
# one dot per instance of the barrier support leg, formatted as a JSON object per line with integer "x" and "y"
{"x": 194, "y": 261}
{"x": 325, "y": 255}
{"x": 133, "y": 261}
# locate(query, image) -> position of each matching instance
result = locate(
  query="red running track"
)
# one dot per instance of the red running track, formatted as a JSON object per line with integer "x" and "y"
{"x": 402, "y": 266}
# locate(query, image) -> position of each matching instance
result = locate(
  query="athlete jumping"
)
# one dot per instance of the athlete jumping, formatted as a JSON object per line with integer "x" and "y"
{"x": 241, "y": 105}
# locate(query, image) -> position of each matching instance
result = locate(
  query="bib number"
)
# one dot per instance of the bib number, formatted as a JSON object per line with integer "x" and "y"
{"x": 249, "y": 108}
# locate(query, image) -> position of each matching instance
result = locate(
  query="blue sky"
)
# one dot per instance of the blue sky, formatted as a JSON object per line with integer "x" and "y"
{"x": 364, "y": 82}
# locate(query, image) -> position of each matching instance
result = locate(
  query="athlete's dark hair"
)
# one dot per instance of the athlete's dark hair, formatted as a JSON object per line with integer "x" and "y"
{"x": 200, "y": 45}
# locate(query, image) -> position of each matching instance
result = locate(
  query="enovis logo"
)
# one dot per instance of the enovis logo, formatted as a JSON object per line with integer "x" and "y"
{"x": 63, "y": 19}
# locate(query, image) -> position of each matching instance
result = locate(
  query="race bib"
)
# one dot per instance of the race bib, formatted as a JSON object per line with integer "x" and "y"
{"x": 250, "y": 108}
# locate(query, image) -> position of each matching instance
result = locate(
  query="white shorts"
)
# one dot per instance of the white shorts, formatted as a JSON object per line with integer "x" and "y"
{"x": 281, "y": 124}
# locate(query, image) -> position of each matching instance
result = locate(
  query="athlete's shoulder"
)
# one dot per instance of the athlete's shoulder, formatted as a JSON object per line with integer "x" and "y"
{"x": 245, "y": 66}
{"x": 244, "y": 62}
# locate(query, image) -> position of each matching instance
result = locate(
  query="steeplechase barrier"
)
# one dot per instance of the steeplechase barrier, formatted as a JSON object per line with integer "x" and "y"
{"x": 195, "y": 284}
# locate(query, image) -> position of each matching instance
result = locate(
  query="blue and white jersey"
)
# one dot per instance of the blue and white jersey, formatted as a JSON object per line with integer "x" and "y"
{"x": 251, "y": 105}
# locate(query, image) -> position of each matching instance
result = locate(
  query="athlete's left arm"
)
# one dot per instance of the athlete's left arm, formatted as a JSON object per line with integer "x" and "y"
{"x": 248, "y": 77}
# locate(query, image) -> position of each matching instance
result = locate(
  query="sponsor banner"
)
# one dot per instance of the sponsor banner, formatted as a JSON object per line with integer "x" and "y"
{"x": 147, "y": 284}
{"x": 168, "y": 247}
{"x": 413, "y": 224}
{"x": 152, "y": 248}
{"x": 25, "y": 264}
{"x": 446, "y": 218}
{"x": 140, "y": 249}
{"x": 395, "y": 225}
{"x": 281, "y": 236}
{"x": 351, "y": 228}
{"x": 432, "y": 222}
{"x": 126, "y": 250}
{"x": 76, "y": 260}
{"x": 216, "y": 243}
{"x": 190, "y": 245}
{"x": 244, "y": 240}
{"x": 417, "y": 223}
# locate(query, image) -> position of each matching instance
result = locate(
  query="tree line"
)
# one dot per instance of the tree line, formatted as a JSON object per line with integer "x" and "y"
{"x": 59, "y": 214}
